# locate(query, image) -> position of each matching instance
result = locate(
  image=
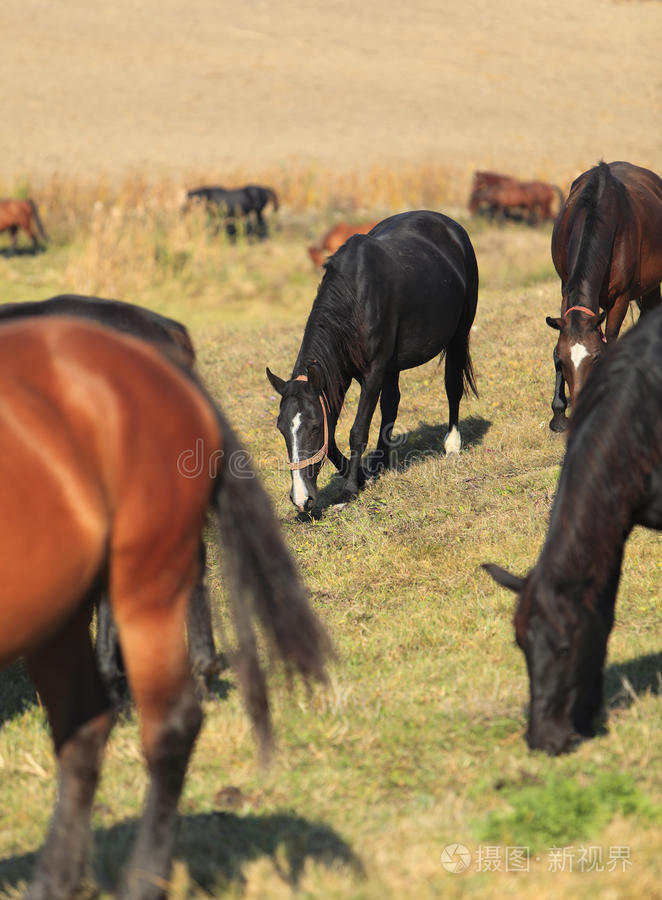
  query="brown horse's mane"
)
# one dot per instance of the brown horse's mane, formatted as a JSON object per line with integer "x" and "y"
{"x": 334, "y": 337}
{"x": 597, "y": 198}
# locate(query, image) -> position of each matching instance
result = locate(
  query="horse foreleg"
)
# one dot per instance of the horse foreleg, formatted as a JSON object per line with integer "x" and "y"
{"x": 559, "y": 422}
{"x": 338, "y": 459}
{"x": 152, "y": 631}
{"x": 66, "y": 676}
{"x": 358, "y": 436}
{"x": 388, "y": 404}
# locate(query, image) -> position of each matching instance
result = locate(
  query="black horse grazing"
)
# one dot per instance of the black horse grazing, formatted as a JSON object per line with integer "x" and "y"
{"x": 173, "y": 339}
{"x": 389, "y": 300}
{"x": 235, "y": 203}
{"x": 607, "y": 249}
{"x": 611, "y": 481}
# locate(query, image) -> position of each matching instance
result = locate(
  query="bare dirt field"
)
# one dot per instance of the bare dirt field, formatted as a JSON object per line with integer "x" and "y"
{"x": 166, "y": 86}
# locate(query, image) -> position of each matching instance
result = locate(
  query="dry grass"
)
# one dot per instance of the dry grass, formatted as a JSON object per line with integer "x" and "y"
{"x": 419, "y": 739}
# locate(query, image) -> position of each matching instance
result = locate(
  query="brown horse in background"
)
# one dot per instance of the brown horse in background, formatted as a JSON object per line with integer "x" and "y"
{"x": 530, "y": 200}
{"x": 16, "y": 214}
{"x": 607, "y": 250}
{"x": 335, "y": 237}
{"x": 110, "y": 457}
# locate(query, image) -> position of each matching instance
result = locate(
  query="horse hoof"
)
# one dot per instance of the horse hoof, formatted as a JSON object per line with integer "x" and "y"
{"x": 558, "y": 424}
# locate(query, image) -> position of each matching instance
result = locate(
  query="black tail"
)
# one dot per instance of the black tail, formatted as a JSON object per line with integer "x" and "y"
{"x": 263, "y": 583}
{"x": 463, "y": 331}
{"x": 273, "y": 198}
{"x": 37, "y": 219}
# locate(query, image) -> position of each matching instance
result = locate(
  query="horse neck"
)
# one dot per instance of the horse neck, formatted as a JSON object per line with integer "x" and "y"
{"x": 591, "y": 241}
{"x": 333, "y": 341}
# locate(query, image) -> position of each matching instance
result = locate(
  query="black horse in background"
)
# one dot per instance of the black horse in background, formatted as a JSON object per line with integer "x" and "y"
{"x": 173, "y": 339}
{"x": 611, "y": 481}
{"x": 389, "y": 300}
{"x": 236, "y": 203}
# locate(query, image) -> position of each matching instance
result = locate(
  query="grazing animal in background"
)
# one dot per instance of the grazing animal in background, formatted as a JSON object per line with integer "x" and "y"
{"x": 236, "y": 203}
{"x": 389, "y": 300}
{"x": 22, "y": 214}
{"x": 173, "y": 339}
{"x": 530, "y": 200}
{"x": 482, "y": 180}
{"x": 607, "y": 250}
{"x": 611, "y": 480}
{"x": 334, "y": 239}
{"x": 92, "y": 501}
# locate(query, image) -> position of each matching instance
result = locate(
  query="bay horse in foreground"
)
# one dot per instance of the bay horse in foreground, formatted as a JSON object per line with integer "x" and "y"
{"x": 111, "y": 456}
{"x": 611, "y": 480}
{"x": 173, "y": 339}
{"x": 23, "y": 215}
{"x": 607, "y": 250}
{"x": 389, "y": 300}
{"x": 335, "y": 237}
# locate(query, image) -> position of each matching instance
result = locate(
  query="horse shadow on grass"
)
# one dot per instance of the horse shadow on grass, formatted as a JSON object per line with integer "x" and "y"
{"x": 27, "y": 250}
{"x": 624, "y": 682}
{"x": 411, "y": 448}
{"x": 216, "y": 847}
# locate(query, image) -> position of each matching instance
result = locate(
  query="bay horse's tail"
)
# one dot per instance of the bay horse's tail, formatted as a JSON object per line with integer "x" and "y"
{"x": 35, "y": 213}
{"x": 263, "y": 584}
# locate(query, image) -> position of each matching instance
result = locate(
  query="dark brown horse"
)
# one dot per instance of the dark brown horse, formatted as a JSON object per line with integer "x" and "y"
{"x": 611, "y": 481}
{"x": 111, "y": 456}
{"x": 334, "y": 239}
{"x": 607, "y": 249}
{"x": 22, "y": 214}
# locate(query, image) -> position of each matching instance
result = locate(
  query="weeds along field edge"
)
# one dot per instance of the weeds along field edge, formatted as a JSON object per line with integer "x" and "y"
{"x": 417, "y": 745}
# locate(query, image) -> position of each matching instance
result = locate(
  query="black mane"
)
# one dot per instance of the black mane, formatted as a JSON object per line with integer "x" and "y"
{"x": 594, "y": 253}
{"x": 335, "y": 336}
{"x": 614, "y": 443}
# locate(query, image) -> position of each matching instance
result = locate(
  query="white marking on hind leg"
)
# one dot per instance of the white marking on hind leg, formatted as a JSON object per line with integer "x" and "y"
{"x": 452, "y": 441}
{"x": 299, "y": 492}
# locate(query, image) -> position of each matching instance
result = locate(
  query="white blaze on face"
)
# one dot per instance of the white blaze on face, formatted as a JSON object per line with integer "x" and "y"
{"x": 299, "y": 492}
{"x": 452, "y": 441}
{"x": 578, "y": 352}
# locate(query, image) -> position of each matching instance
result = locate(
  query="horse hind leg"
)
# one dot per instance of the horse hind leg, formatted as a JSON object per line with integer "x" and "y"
{"x": 152, "y": 632}
{"x": 67, "y": 679}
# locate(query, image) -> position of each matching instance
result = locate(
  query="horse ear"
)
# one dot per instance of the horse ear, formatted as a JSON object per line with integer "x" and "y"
{"x": 599, "y": 319}
{"x": 555, "y": 323}
{"x": 315, "y": 378}
{"x": 277, "y": 383}
{"x": 504, "y": 578}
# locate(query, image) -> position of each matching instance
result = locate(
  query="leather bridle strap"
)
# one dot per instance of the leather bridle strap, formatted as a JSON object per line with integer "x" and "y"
{"x": 589, "y": 312}
{"x": 322, "y": 452}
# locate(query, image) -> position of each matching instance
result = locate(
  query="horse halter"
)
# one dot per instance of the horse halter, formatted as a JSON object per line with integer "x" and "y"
{"x": 322, "y": 452}
{"x": 589, "y": 312}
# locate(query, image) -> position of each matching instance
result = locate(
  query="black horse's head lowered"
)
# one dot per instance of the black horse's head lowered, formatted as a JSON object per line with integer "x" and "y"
{"x": 565, "y": 644}
{"x": 303, "y": 422}
{"x": 611, "y": 480}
